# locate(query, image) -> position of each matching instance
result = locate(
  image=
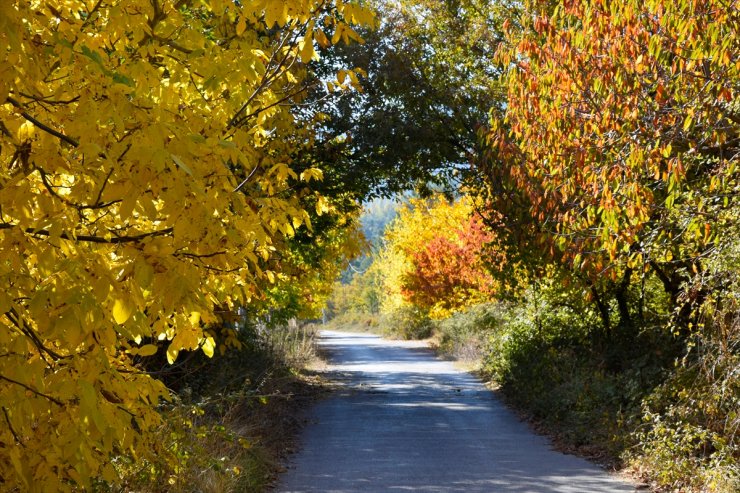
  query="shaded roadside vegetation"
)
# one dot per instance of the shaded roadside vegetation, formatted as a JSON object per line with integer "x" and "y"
{"x": 232, "y": 419}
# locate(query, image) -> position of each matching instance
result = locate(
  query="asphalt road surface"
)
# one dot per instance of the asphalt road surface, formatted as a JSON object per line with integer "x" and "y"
{"x": 404, "y": 420}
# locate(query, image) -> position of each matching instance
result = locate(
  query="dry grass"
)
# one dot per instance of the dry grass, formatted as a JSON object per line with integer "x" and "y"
{"x": 232, "y": 441}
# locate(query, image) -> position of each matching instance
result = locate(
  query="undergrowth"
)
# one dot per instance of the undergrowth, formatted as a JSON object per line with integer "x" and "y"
{"x": 353, "y": 321}
{"x": 663, "y": 403}
{"x": 407, "y": 322}
{"x": 231, "y": 418}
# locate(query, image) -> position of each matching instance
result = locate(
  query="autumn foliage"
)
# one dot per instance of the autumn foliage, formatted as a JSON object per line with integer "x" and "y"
{"x": 146, "y": 188}
{"x": 448, "y": 272}
{"x": 613, "y": 169}
{"x": 433, "y": 257}
{"x": 619, "y": 144}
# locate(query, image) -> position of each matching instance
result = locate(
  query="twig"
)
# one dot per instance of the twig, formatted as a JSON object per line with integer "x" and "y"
{"x": 34, "y": 391}
{"x": 244, "y": 182}
{"x": 12, "y": 430}
{"x": 45, "y": 128}
{"x": 90, "y": 238}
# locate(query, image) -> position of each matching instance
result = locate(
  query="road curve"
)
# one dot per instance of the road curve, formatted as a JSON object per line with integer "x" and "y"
{"x": 406, "y": 421}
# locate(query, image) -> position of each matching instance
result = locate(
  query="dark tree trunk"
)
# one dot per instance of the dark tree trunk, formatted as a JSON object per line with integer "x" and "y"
{"x": 625, "y": 318}
{"x": 603, "y": 311}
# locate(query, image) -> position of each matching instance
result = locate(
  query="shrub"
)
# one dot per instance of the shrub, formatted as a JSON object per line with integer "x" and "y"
{"x": 690, "y": 436}
{"x": 543, "y": 357}
{"x": 463, "y": 335}
{"x": 226, "y": 424}
{"x": 407, "y": 322}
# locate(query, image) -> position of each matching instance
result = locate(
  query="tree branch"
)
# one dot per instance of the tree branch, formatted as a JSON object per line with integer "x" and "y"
{"x": 45, "y": 128}
{"x": 34, "y": 391}
{"x": 12, "y": 430}
{"x": 90, "y": 238}
{"x": 244, "y": 182}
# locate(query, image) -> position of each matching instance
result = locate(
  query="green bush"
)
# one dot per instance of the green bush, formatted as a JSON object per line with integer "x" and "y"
{"x": 354, "y": 322}
{"x": 408, "y": 322}
{"x": 542, "y": 354}
{"x": 690, "y": 436}
{"x": 463, "y": 335}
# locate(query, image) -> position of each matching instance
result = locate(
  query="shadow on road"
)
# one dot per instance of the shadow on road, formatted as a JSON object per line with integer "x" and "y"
{"x": 403, "y": 420}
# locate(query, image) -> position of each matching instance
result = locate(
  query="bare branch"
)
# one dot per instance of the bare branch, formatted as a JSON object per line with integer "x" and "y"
{"x": 45, "y": 128}
{"x": 33, "y": 391}
{"x": 244, "y": 182}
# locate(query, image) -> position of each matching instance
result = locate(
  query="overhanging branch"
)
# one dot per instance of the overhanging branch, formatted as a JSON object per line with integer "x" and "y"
{"x": 91, "y": 238}
{"x": 42, "y": 126}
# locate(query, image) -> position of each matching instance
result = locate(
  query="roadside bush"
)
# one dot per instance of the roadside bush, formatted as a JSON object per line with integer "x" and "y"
{"x": 690, "y": 436}
{"x": 355, "y": 322}
{"x": 407, "y": 322}
{"x": 227, "y": 421}
{"x": 463, "y": 335}
{"x": 690, "y": 433}
{"x": 544, "y": 360}
{"x": 292, "y": 344}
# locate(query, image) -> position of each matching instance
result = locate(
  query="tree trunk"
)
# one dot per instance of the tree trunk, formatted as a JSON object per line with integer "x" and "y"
{"x": 625, "y": 318}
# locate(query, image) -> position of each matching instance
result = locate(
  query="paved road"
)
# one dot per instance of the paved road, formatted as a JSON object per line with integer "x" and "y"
{"x": 406, "y": 421}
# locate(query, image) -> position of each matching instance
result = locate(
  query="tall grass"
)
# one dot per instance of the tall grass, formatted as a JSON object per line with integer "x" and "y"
{"x": 230, "y": 420}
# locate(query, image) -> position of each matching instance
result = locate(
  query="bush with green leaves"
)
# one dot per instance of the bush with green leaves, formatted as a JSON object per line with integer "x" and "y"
{"x": 690, "y": 434}
{"x": 407, "y": 322}
{"x": 464, "y": 334}
{"x": 544, "y": 355}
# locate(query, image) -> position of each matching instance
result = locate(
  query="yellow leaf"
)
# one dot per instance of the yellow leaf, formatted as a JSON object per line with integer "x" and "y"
{"x": 322, "y": 205}
{"x": 182, "y": 165}
{"x": 341, "y": 75}
{"x": 208, "y": 346}
{"x": 276, "y": 12}
{"x": 312, "y": 173}
{"x": 26, "y": 131}
{"x": 5, "y": 302}
{"x": 147, "y": 350}
{"x": 241, "y": 26}
{"x": 122, "y": 310}
{"x": 321, "y": 38}
{"x": 307, "y": 51}
{"x": 172, "y": 353}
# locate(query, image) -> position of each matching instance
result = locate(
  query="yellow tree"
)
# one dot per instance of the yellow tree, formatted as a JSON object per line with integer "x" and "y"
{"x": 144, "y": 150}
{"x": 432, "y": 257}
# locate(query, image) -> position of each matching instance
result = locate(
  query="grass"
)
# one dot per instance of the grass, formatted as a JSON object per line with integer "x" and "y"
{"x": 231, "y": 433}
{"x": 355, "y": 322}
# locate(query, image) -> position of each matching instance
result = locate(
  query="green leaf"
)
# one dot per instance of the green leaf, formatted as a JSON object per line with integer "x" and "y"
{"x": 182, "y": 165}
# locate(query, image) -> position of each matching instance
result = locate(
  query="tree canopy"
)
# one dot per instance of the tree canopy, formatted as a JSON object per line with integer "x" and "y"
{"x": 147, "y": 185}
{"x": 163, "y": 162}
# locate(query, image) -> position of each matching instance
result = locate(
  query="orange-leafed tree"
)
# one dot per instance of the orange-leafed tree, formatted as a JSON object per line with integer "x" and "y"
{"x": 448, "y": 271}
{"x": 618, "y": 152}
{"x": 433, "y": 257}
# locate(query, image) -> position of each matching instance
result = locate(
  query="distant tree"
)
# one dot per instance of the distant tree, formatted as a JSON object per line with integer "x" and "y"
{"x": 433, "y": 257}
{"x": 449, "y": 272}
